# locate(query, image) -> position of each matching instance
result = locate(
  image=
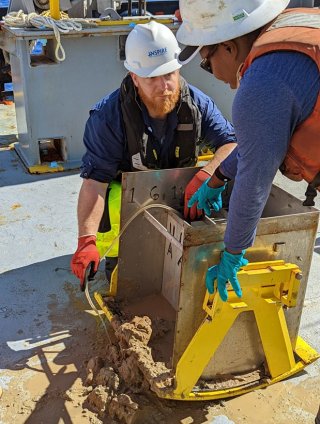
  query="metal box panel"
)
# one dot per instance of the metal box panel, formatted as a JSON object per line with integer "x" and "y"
{"x": 150, "y": 262}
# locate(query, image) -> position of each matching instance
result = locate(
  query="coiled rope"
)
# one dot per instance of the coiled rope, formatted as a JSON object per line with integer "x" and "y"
{"x": 44, "y": 21}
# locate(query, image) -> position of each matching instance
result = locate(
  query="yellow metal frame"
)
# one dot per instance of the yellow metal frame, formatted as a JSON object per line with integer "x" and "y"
{"x": 267, "y": 288}
{"x": 205, "y": 158}
{"x": 133, "y": 20}
{"x": 306, "y": 354}
{"x": 111, "y": 293}
{"x": 43, "y": 169}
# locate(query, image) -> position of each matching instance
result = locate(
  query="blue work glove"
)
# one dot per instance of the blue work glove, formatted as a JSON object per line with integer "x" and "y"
{"x": 207, "y": 198}
{"x": 226, "y": 270}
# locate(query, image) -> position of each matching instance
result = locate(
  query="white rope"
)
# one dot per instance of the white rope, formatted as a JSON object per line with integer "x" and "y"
{"x": 134, "y": 216}
{"x": 65, "y": 25}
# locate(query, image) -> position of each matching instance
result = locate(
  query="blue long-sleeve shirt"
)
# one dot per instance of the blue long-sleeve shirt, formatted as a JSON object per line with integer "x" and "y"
{"x": 277, "y": 92}
{"x": 106, "y": 150}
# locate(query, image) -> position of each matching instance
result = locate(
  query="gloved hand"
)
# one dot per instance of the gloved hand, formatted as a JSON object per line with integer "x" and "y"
{"x": 226, "y": 270}
{"x": 193, "y": 213}
{"x": 86, "y": 253}
{"x": 207, "y": 197}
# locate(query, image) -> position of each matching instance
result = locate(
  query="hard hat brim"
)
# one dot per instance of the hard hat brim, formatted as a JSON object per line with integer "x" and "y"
{"x": 200, "y": 32}
{"x": 188, "y": 53}
{"x": 164, "y": 69}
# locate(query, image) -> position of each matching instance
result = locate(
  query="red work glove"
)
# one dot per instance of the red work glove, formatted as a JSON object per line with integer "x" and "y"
{"x": 86, "y": 253}
{"x": 194, "y": 213}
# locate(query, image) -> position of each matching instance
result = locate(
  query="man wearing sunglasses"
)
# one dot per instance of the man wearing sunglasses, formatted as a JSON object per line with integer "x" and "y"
{"x": 155, "y": 120}
{"x": 272, "y": 56}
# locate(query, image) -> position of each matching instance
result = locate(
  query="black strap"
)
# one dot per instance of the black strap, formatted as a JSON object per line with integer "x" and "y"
{"x": 310, "y": 194}
{"x": 315, "y": 183}
{"x": 220, "y": 176}
{"x": 105, "y": 224}
{"x": 183, "y": 151}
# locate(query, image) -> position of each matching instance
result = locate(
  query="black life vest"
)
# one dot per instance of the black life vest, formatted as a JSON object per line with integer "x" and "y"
{"x": 140, "y": 141}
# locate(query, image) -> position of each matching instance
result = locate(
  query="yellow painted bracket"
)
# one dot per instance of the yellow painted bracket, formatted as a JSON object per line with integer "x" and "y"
{"x": 98, "y": 297}
{"x": 43, "y": 169}
{"x": 113, "y": 282}
{"x": 205, "y": 158}
{"x": 133, "y": 20}
{"x": 111, "y": 293}
{"x": 266, "y": 287}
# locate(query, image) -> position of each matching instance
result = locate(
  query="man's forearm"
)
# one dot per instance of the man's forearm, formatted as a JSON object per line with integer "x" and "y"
{"x": 90, "y": 206}
{"x": 219, "y": 157}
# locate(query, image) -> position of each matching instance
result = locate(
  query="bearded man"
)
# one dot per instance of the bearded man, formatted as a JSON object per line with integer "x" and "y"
{"x": 155, "y": 120}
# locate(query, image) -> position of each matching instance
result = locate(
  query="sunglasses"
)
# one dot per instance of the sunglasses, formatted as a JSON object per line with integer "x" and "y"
{"x": 205, "y": 63}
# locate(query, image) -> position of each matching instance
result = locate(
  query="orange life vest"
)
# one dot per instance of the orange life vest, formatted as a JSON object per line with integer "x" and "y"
{"x": 297, "y": 30}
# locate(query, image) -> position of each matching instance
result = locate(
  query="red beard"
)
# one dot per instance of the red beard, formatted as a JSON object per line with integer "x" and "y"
{"x": 159, "y": 106}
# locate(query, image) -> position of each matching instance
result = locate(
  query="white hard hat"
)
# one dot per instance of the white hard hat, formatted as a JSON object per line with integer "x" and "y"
{"x": 152, "y": 50}
{"x": 214, "y": 21}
